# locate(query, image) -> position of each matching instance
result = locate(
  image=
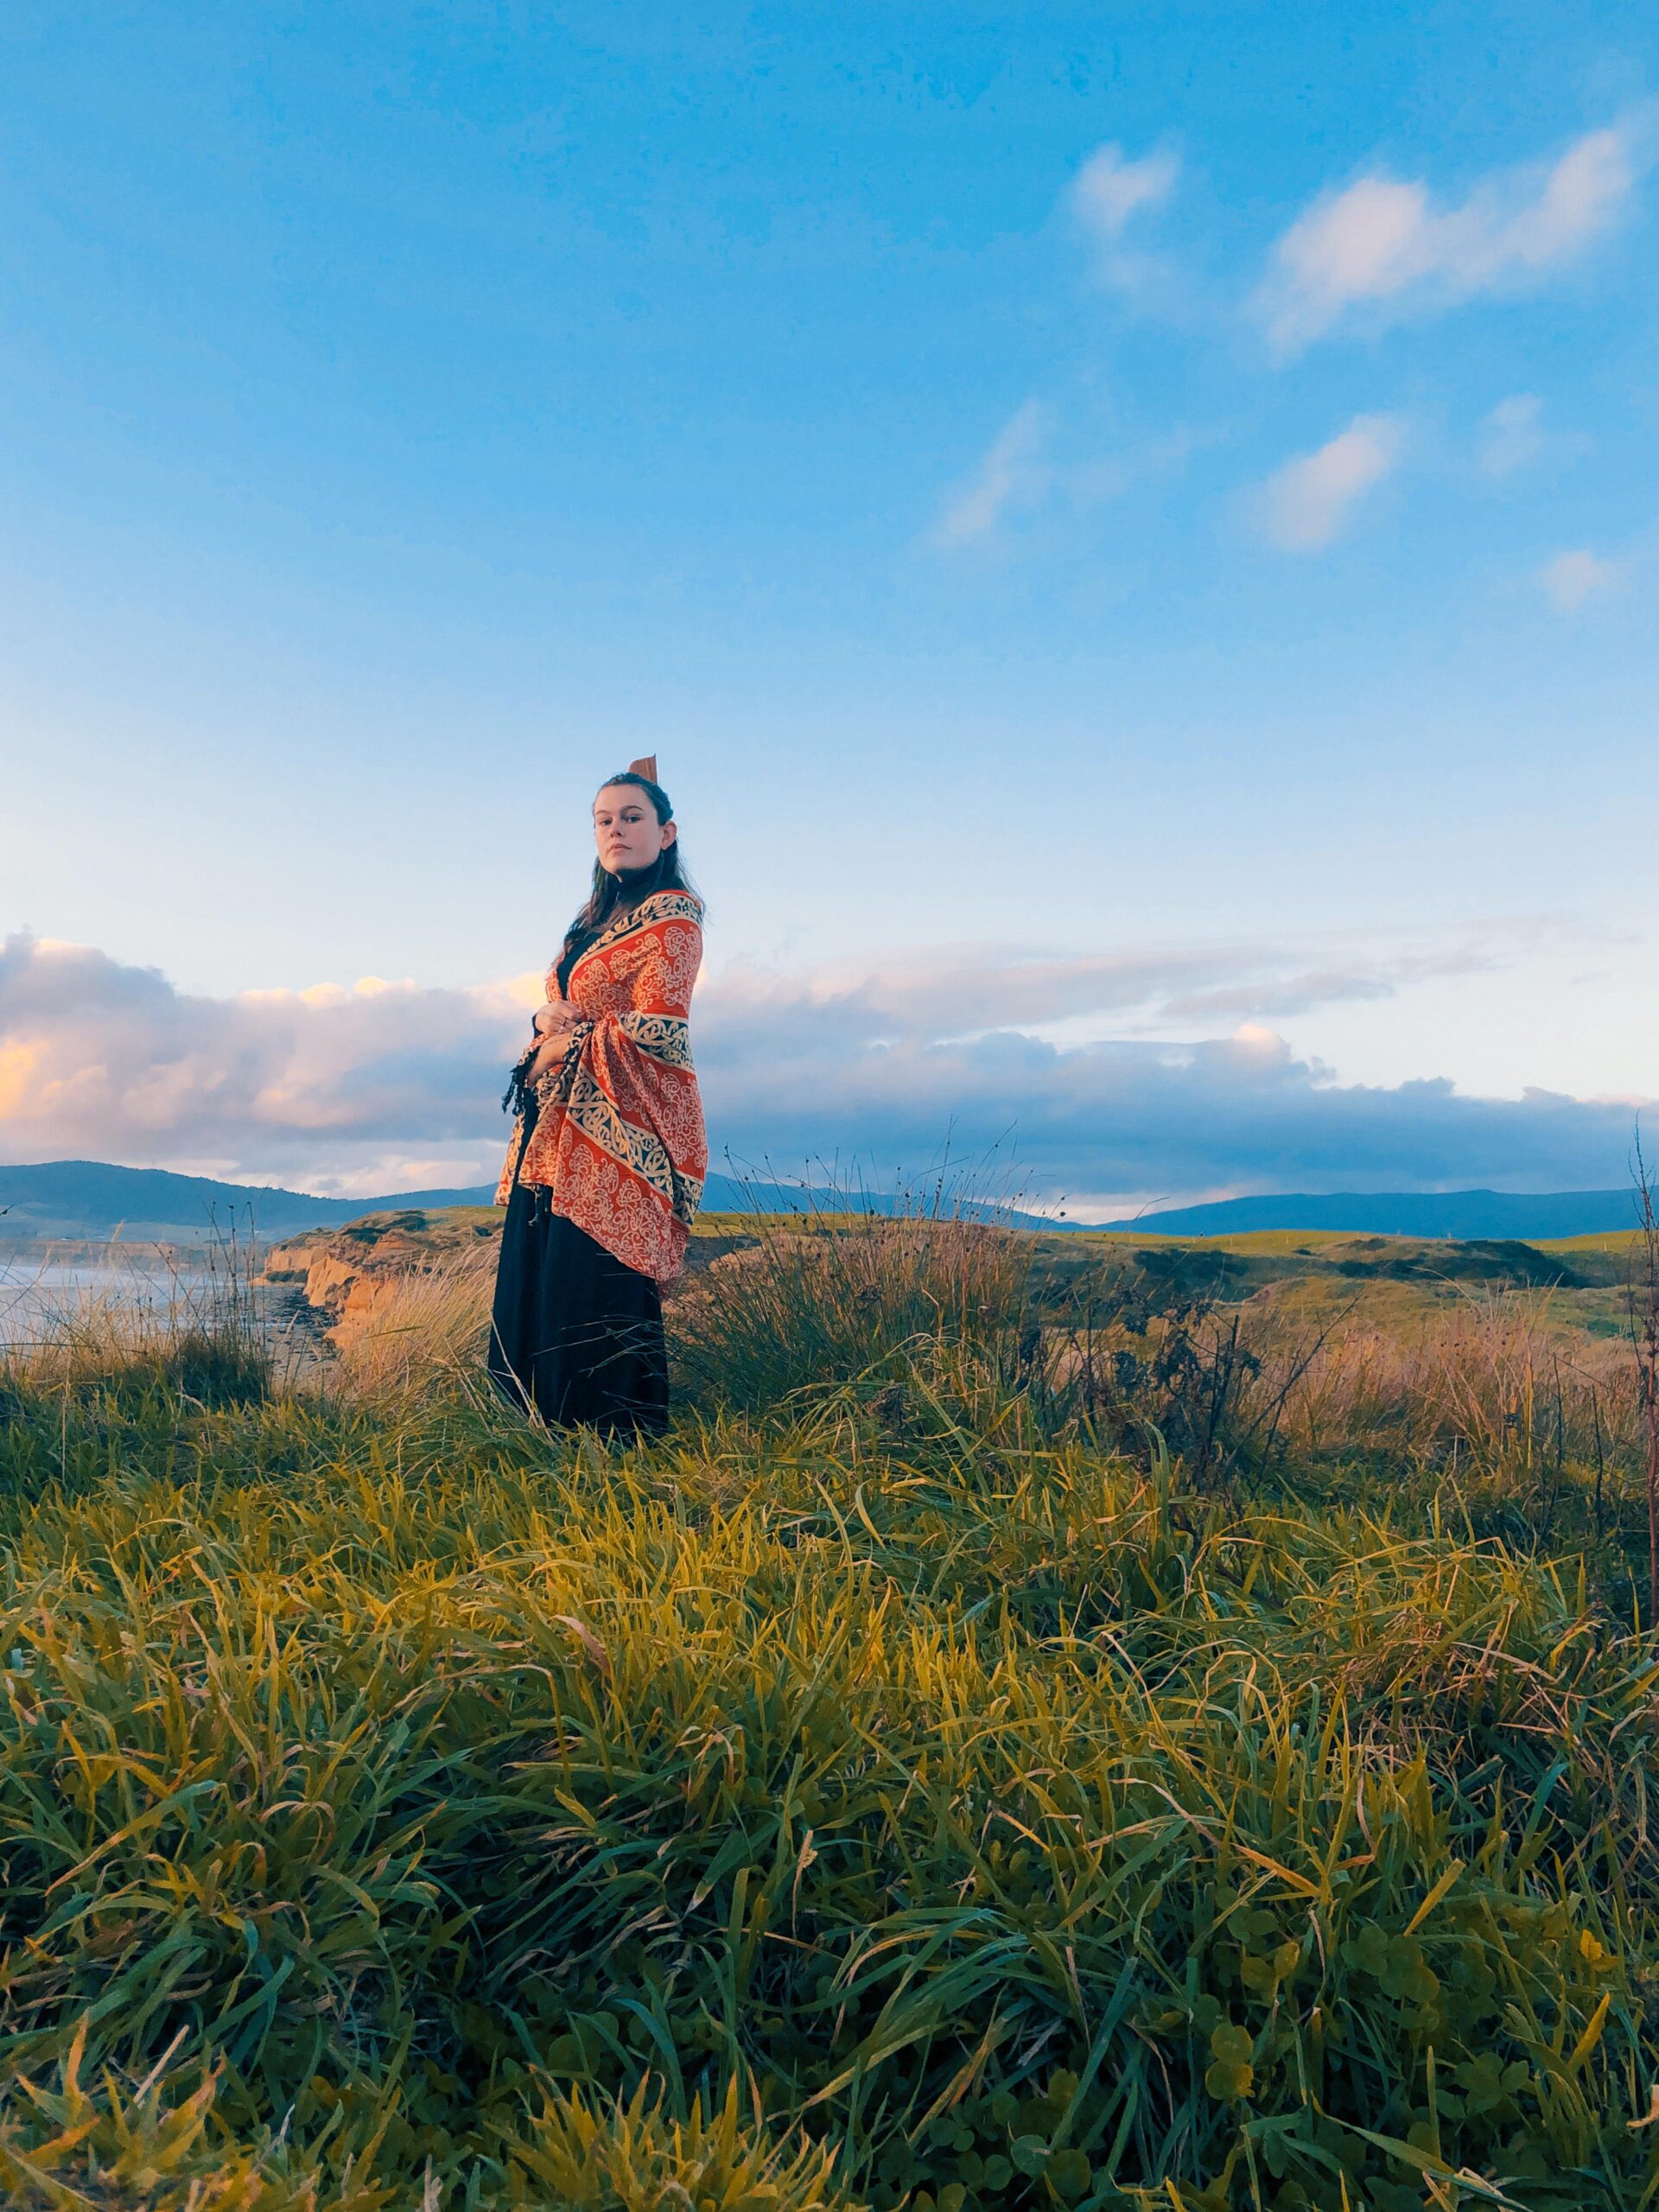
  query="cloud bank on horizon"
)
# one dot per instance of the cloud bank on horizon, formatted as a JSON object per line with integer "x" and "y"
{"x": 394, "y": 1085}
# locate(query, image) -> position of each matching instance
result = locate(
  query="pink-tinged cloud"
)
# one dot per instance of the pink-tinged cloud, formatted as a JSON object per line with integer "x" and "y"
{"x": 1576, "y": 576}
{"x": 1312, "y": 499}
{"x": 1110, "y": 194}
{"x": 1013, "y": 473}
{"x": 1384, "y": 245}
{"x": 384, "y": 1085}
{"x": 100, "y": 1059}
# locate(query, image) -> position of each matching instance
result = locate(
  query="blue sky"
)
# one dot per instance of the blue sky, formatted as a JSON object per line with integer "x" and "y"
{"x": 1134, "y": 542}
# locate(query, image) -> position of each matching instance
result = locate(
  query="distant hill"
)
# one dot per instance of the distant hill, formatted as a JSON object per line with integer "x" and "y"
{"x": 1528, "y": 1214}
{"x": 90, "y": 1199}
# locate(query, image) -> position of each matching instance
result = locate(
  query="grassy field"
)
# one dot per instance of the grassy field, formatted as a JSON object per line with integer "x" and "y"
{"x": 1061, "y": 1720}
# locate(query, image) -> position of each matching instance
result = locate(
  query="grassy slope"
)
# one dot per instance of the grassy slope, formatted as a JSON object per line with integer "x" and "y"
{"x": 403, "y": 1787}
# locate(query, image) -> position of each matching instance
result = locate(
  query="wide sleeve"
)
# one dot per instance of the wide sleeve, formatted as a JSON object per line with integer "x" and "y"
{"x": 621, "y": 1144}
{"x": 640, "y": 1059}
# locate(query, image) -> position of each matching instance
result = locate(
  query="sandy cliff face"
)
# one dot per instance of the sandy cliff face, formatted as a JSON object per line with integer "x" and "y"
{"x": 343, "y": 1274}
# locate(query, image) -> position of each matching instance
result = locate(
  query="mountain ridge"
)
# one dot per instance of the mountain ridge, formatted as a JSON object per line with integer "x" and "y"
{"x": 1526, "y": 1214}
{"x": 95, "y": 1198}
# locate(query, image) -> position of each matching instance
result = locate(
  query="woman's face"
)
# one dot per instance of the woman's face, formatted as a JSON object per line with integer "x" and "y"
{"x": 625, "y": 828}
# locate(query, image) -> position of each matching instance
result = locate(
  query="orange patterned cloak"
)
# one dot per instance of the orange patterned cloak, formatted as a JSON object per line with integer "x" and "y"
{"x": 619, "y": 1138}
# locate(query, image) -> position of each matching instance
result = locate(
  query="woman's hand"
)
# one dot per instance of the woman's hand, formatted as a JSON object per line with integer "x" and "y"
{"x": 555, "y": 1024}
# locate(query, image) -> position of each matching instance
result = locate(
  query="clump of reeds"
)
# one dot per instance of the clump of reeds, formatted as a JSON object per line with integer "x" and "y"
{"x": 846, "y": 1299}
{"x": 426, "y": 1329}
{"x": 156, "y": 1320}
{"x": 126, "y": 2144}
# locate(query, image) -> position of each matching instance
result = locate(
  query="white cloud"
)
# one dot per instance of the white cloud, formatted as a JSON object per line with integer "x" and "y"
{"x": 1572, "y": 576}
{"x": 370, "y": 1091}
{"x": 1512, "y": 434}
{"x": 1108, "y": 192}
{"x": 1035, "y": 463}
{"x": 965, "y": 990}
{"x": 1012, "y": 474}
{"x": 1309, "y": 500}
{"x": 1385, "y": 244}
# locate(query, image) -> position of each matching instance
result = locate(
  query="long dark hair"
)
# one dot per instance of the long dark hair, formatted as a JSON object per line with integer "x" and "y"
{"x": 608, "y": 891}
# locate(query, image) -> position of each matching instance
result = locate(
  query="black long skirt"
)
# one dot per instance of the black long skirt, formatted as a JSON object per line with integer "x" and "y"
{"x": 574, "y": 1334}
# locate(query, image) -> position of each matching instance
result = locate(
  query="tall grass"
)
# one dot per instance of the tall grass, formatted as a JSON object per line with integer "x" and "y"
{"x": 851, "y": 1299}
{"x": 152, "y": 1318}
{"x": 1491, "y": 1376}
{"x": 882, "y": 1791}
{"x": 426, "y": 1329}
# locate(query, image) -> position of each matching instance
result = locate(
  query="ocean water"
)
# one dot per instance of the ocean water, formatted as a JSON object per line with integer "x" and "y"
{"x": 44, "y": 1297}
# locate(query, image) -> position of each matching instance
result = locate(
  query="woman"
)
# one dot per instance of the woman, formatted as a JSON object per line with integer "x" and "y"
{"x": 605, "y": 1172}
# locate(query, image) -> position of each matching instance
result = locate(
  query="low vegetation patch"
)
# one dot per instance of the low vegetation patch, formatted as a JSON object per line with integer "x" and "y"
{"x": 1003, "y": 1750}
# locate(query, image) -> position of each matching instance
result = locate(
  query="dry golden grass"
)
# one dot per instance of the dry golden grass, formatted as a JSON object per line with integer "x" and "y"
{"x": 425, "y": 1328}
